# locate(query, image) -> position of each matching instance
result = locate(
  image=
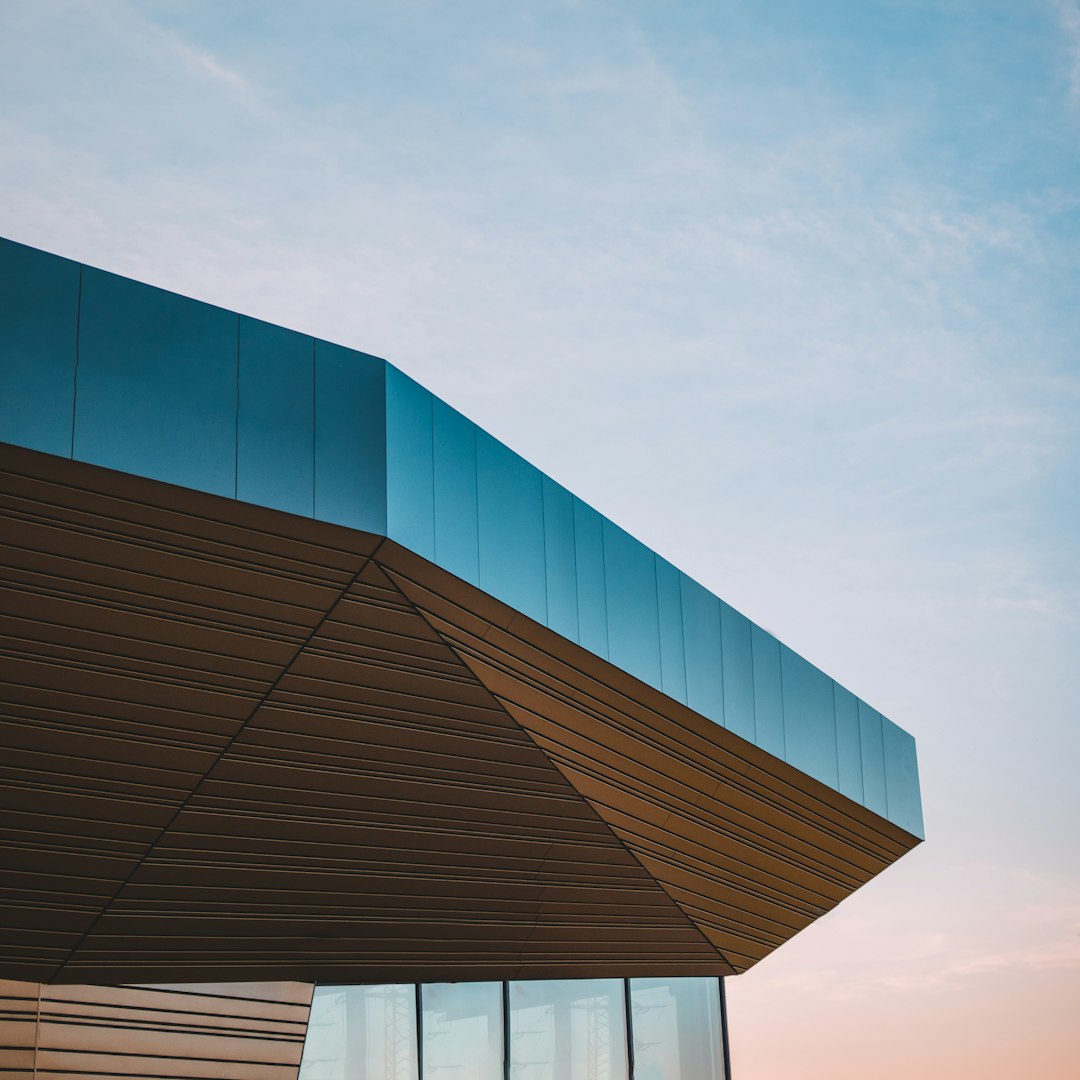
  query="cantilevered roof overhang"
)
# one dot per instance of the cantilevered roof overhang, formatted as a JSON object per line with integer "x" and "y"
{"x": 304, "y": 676}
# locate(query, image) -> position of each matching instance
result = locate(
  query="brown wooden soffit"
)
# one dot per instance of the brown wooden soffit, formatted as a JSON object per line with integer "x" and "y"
{"x": 243, "y": 1031}
{"x": 237, "y": 744}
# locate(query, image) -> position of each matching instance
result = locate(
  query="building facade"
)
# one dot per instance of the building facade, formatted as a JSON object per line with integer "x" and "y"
{"x": 322, "y": 703}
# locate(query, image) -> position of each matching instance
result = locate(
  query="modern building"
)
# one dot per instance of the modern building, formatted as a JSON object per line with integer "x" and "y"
{"x": 334, "y": 731}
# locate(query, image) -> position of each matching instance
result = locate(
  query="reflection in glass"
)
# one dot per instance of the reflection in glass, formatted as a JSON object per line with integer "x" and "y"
{"x": 572, "y": 1029}
{"x": 463, "y": 1031}
{"x": 364, "y": 1032}
{"x": 568, "y": 1030}
{"x": 676, "y": 1026}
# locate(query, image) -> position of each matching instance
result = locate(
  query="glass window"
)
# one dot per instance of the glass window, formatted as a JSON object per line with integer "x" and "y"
{"x": 463, "y": 1031}
{"x": 669, "y": 604}
{"x": 768, "y": 699}
{"x": 560, "y": 560}
{"x": 156, "y": 384}
{"x": 456, "y": 544}
{"x": 676, "y": 1028}
{"x": 630, "y": 590}
{"x": 366, "y": 1032}
{"x": 350, "y": 438}
{"x": 568, "y": 1030}
{"x": 39, "y": 306}
{"x": 901, "y": 778}
{"x": 702, "y": 648}
{"x": 738, "y": 673}
{"x": 275, "y": 442}
{"x": 809, "y": 717}
{"x": 410, "y": 465}
{"x": 510, "y": 504}
{"x": 848, "y": 743}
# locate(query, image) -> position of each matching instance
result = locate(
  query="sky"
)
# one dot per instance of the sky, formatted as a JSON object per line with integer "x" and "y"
{"x": 788, "y": 290}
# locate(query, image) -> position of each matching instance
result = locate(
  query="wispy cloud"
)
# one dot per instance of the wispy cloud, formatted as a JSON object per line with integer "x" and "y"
{"x": 803, "y": 320}
{"x": 204, "y": 61}
{"x": 1055, "y": 956}
{"x": 1068, "y": 13}
{"x": 1030, "y": 928}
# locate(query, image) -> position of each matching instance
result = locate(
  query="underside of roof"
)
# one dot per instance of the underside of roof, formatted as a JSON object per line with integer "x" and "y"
{"x": 242, "y": 744}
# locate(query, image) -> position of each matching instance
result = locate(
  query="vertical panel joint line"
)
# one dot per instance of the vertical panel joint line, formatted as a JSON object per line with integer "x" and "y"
{"x": 419, "y": 1030}
{"x": 314, "y": 424}
{"x": 836, "y": 734}
{"x": 75, "y": 372}
{"x": 506, "y": 1029}
{"x": 236, "y": 419}
{"x": 724, "y": 1029}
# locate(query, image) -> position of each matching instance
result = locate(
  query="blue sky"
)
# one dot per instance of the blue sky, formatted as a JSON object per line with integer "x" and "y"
{"x": 788, "y": 290}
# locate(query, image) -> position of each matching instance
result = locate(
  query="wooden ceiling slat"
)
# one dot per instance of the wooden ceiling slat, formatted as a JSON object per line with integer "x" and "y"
{"x": 297, "y": 751}
{"x": 438, "y": 771}
{"x": 747, "y": 868}
{"x": 480, "y": 625}
{"x": 731, "y": 760}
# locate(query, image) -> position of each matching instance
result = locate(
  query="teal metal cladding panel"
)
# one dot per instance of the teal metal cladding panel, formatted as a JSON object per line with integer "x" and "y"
{"x": 768, "y": 693}
{"x": 275, "y": 439}
{"x": 809, "y": 718}
{"x": 872, "y": 750}
{"x": 702, "y": 649}
{"x": 410, "y": 464}
{"x": 670, "y": 619}
{"x": 630, "y": 595}
{"x": 510, "y": 515}
{"x": 738, "y": 671}
{"x": 457, "y": 546}
{"x": 350, "y": 438}
{"x": 121, "y": 374}
{"x": 903, "y": 802}
{"x": 560, "y": 560}
{"x": 156, "y": 385}
{"x": 848, "y": 743}
{"x": 591, "y": 590}
{"x": 39, "y": 322}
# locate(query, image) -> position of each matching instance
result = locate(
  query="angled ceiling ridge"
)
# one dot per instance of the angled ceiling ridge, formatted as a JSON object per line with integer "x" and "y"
{"x": 513, "y": 714}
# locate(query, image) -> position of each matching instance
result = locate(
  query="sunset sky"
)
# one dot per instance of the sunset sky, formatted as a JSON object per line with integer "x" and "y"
{"x": 790, "y": 290}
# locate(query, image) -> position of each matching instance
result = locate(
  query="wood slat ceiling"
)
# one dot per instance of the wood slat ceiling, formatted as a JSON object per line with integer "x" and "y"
{"x": 239, "y": 1031}
{"x": 750, "y": 848}
{"x": 239, "y": 744}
